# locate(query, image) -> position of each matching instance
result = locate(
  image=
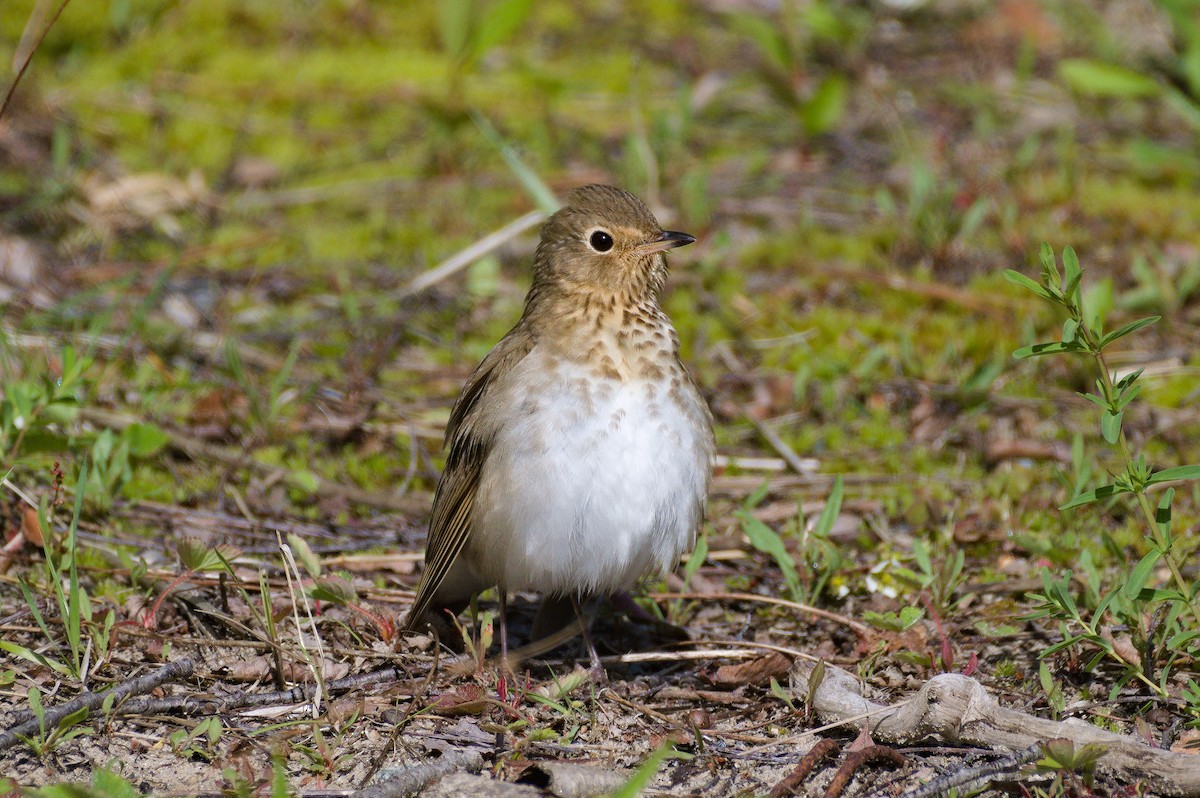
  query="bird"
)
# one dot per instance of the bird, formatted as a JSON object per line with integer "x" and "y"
{"x": 580, "y": 450}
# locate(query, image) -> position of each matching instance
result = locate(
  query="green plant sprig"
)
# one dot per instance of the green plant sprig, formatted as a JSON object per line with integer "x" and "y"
{"x": 1084, "y": 335}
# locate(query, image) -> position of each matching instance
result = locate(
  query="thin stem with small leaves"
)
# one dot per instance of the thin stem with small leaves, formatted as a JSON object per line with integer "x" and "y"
{"x": 1143, "y": 502}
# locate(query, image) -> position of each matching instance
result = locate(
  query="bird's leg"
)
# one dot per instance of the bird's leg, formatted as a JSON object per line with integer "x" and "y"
{"x": 598, "y": 672}
{"x": 504, "y": 666}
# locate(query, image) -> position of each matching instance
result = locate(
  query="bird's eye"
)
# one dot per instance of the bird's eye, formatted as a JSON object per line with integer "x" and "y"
{"x": 600, "y": 241}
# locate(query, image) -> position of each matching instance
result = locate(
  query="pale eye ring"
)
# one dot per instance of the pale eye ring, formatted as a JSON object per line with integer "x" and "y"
{"x": 600, "y": 240}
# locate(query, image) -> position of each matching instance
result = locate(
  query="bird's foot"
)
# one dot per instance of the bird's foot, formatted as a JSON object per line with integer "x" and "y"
{"x": 598, "y": 675}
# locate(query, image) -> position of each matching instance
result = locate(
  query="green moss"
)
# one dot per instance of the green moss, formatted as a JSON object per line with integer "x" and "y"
{"x": 1152, "y": 211}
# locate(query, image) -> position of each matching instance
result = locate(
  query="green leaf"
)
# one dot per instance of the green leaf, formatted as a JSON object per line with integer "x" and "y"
{"x": 829, "y": 512}
{"x": 1060, "y": 751}
{"x": 1160, "y": 595}
{"x": 983, "y": 377}
{"x": 778, "y": 691}
{"x": 454, "y": 25}
{"x": 825, "y": 108}
{"x": 1050, "y": 276}
{"x": 1100, "y": 79}
{"x": 1059, "y": 646}
{"x": 61, "y": 412}
{"x": 1162, "y": 516}
{"x": 1087, "y": 755}
{"x": 766, "y": 36}
{"x": 305, "y": 480}
{"x": 1070, "y": 328}
{"x": 1132, "y": 326}
{"x": 1014, "y": 276}
{"x": 1175, "y": 642}
{"x": 145, "y": 440}
{"x": 1128, "y": 396}
{"x": 31, "y": 602}
{"x": 1139, "y": 575}
{"x": 75, "y": 597}
{"x": 1098, "y": 302}
{"x": 304, "y": 554}
{"x": 695, "y": 559}
{"x": 335, "y": 590}
{"x": 196, "y": 555}
{"x": 1048, "y": 348}
{"x": 974, "y": 217}
{"x": 910, "y": 615}
{"x": 642, "y": 777}
{"x": 74, "y": 719}
{"x": 1087, "y": 497}
{"x": 763, "y": 538}
{"x": 500, "y": 21}
{"x": 1110, "y": 425}
{"x": 1060, "y": 590}
{"x": 547, "y": 702}
{"x": 1184, "y": 105}
{"x": 1128, "y": 379}
{"x": 72, "y": 367}
{"x": 35, "y": 706}
{"x": 921, "y": 556}
{"x": 894, "y": 622}
{"x": 110, "y": 784}
{"x": 1172, "y": 474}
{"x": 534, "y": 186}
{"x": 1071, "y": 290}
{"x": 755, "y": 498}
{"x": 1072, "y": 274}
{"x": 35, "y": 657}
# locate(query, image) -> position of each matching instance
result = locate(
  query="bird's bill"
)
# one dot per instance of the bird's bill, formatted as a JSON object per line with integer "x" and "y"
{"x": 668, "y": 240}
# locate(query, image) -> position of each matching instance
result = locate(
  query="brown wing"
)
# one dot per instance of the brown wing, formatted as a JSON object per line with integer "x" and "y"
{"x": 469, "y": 434}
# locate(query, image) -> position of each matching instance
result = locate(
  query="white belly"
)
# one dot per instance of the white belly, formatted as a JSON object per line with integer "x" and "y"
{"x": 591, "y": 487}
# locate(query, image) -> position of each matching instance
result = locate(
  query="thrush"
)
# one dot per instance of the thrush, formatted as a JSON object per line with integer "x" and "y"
{"x": 580, "y": 450}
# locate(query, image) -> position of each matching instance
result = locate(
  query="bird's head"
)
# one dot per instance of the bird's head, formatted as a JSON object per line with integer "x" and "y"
{"x": 606, "y": 242}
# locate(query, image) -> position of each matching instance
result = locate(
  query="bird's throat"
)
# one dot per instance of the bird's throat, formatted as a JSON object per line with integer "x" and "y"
{"x": 617, "y": 340}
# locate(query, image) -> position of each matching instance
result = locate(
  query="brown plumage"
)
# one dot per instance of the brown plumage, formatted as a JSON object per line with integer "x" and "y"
{"x": 579, "y": 450}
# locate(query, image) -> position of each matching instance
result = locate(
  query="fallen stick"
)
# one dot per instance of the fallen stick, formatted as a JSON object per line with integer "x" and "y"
{"x": 460, "y": 260}
{"x": 857, "y": 761}
{"x": 411, "y": 780}
{"x": 91, "y": 701}
{"x": 200, "y": 705}
{"x": 958, "y": 709}
{"x": 794, "y": 781}
{"x": 967, "y": 779}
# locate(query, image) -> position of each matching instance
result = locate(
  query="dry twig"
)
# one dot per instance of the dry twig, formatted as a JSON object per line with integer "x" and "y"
{"x": 91, "y": 701}
{"x": 466, "y": 257}
{"x": 808, "y": 763}
{"x": 411, "y": 780}
{"x": 28, "y": 56}
{"x": 965, "y": 779}
{"x": 958, "y": 709}
{"x": 202, "y": 705}
{"x": 856, "y": 761}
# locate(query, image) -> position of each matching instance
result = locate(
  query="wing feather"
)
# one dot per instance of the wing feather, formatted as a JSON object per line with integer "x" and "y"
{"x": 469, "y": 434}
